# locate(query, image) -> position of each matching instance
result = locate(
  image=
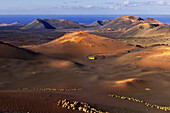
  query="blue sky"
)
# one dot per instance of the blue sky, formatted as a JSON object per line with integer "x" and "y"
{"x": 84, "y": 7}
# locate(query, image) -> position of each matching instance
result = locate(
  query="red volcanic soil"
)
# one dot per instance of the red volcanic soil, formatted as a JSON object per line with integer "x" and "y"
{"x": 140, "y": 73}
{"x": 32, "y": 102}
{"x": 80, "y": 44}
{"x": 98, "y": 78}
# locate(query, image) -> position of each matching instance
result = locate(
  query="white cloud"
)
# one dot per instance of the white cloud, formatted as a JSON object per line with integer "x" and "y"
{"x": 128, "y": 3}
{"x": 156, "y": 3}
{"x": 110, "y": 5}
{"x": 77, "y": 7}
{"x": 161, "y": 3}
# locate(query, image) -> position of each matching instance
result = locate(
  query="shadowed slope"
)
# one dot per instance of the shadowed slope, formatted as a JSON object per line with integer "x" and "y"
{"x": 10, "y": 51}
{"x": 38, "y": 24}
{"x": 99, "y": 23}
{"x": 45, "y": 24}
{"x": 52, "y": 24}
{"x": 34, "y": 25}
{"x": 79, "y": 44}
{"x": 63, "y": 23}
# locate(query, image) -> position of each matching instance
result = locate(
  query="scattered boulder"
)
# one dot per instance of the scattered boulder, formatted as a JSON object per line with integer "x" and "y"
{"x": 81, "y": 106}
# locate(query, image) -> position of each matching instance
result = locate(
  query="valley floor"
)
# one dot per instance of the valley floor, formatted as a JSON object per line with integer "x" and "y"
{"x": 121, "y": 74}
{"x": 98, "y": 78}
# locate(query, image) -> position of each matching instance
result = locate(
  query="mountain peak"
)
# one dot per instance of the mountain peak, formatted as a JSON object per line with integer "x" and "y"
{"x": 100, "y": 23}
{"x": 73, "y": 37}
{"x": 79, "y": 44}
{"x": 137, "y": 18}
{"x": 17, "y": 23}
{"x": 152, "y": 21}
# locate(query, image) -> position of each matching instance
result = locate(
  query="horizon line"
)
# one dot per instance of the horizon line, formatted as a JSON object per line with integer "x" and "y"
{"x": 85, "y": 14}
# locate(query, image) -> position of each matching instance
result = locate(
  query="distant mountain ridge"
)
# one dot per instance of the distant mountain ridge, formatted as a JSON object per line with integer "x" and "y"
{"x": 99, "y": 23}
{"x": 127, "y": 22}
{"x": 135, "y": 26}
{"x": 125, "y": 26}
{"x": 53, "y": 24}
{"x": 12, "y": 24}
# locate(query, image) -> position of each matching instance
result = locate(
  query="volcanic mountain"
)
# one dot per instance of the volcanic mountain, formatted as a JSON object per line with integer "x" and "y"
{"x": 124, "y": 22}
{"x": 99, "y": 23}
{"x": 15, "y": 24}
{"x": 147, "y": 30}
{"x": 52, "y": 24}
{"x": 10, "y": 51}
{"x": 79, "y": 44}
{"x": 133, "y": 26}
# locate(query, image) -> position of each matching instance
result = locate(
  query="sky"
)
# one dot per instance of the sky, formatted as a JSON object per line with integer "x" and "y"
{"x": 84, "y": 7}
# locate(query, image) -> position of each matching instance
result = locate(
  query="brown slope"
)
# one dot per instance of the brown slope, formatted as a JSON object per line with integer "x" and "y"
{"x": 10, "y": 51}
{"x": 124, "y": 22}
{"x": 52, "y": 24}
{"x": 147, "y": 30}
{"x": 156, "y": 56}
{"x": 79, "y": 44}
{"x": 153, "y": 21}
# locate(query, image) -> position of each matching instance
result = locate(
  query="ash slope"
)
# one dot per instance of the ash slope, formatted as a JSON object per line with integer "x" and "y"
{"x": 155, "y": 57}
{"x": 52, "y": 24}
{"x": 10, "y": 51}
{"x": 79, "y": 44}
